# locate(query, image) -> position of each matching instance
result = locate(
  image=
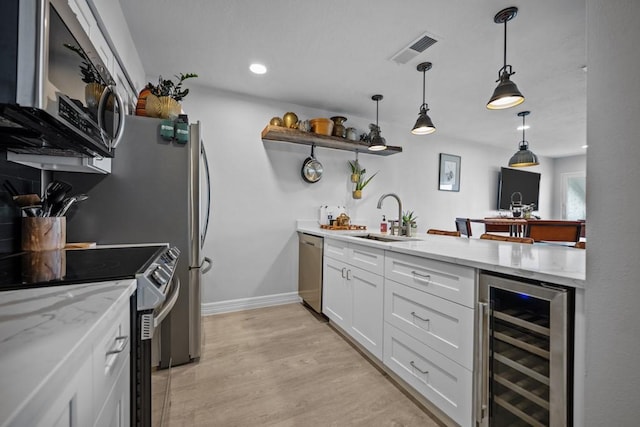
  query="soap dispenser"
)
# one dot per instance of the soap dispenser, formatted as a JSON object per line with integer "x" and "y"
{"x": 383, "y": 225}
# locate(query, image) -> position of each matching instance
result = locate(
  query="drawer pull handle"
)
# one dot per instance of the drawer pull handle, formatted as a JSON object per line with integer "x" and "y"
{"x": 122, "y": 340}
{"x": 413, "y": 313}
{"x": 426, "y": 277}
{"x": 349, "y": 275}
{"x": 418, "y": 369}
{"x": 343, "y": 272}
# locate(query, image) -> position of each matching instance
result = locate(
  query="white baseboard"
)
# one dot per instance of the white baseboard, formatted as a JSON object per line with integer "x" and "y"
{"x": 212, "y": 308}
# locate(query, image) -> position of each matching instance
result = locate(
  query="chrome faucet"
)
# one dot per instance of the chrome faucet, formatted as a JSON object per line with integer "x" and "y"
{"x": 401, "y": 230}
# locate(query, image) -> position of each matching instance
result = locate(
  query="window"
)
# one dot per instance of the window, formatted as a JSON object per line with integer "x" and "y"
{"x": 574, "y": 196}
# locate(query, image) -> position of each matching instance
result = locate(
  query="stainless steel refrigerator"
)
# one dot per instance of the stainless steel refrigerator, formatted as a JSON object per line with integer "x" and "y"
{"x": 158, "y": 191}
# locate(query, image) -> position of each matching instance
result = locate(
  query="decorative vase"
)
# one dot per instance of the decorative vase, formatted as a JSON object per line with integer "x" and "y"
{"x": 357, "y": 194}
{"x": 413, "y": 229}
{"x": 290, "y": 120}
{"x": 276, "y": 121}
{"x": 355, "y": 177}
{"x": 92, "y": 93}
{"x": 338, "y": 127}
{"x": 141, "y": 104}
{"x": 169, "y": 108}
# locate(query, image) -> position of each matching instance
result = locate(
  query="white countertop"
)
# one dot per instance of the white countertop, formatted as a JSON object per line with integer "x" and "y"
{"x": 42, "y": 330}
{"x": 551, "y": 263}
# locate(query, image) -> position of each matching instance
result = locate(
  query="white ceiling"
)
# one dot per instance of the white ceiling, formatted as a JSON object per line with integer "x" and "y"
{"x": 334, "y": 55}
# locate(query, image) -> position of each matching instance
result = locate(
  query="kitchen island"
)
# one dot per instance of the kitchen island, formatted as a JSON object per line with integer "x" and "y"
{"x": 54, "y": 367}
{"x": 415, "y": 307}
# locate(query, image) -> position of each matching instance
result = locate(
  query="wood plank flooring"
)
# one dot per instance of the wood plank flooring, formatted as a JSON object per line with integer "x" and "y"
{"x": 282, "y": 366}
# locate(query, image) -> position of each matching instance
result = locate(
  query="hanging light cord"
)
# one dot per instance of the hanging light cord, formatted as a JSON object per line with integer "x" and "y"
{"x": 506, "y": 69}
{"x": 523, "y": 128}
{"x": 424, "y": 105}
{"x": 377, "y": 113}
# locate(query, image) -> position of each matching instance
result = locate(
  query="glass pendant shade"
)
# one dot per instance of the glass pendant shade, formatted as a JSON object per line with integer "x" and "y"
{"x": 424, "y": 125}
{"x": 506, "y": 95}
{"x": 377, "y": 142}
{"x": 523, "y": 157}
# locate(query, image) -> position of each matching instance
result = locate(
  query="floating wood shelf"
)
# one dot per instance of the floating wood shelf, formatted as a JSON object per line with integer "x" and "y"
{"x": 281, "y": 134}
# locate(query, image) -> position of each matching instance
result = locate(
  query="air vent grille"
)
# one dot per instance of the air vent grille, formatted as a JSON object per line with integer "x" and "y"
{"x": 413, "y": 49}
{"x": 422, "y": 44}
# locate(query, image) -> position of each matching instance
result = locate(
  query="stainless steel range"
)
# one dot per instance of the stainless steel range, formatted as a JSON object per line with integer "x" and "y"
{"x": 157, "y": 289}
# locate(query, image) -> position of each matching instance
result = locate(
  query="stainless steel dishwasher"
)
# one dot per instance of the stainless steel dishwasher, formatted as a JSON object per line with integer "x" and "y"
{"x": 310, "y": 270}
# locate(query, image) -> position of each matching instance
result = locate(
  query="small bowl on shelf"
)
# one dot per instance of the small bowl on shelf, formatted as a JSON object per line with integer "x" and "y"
{"x": 321, "y": 126}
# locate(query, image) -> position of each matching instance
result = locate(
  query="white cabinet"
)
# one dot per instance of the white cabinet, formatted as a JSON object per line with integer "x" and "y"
{"x": 72, "y": 405}
{"x": 352, "y": 296}
{"x": 449, "y": 281}
{"x": 98, "y": 391}
{"x": 429, "y": 330}
{"x": 443, "y": 325}
{"x": 442, "y": 381}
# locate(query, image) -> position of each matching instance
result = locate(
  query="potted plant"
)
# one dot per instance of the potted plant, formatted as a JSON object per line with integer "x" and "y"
{"x": 163, "y": 100}
{"x": 409, "y": 223}
{"x": 361, "y": 183}
{"x": 355, "y": 170}
{"x": 95, "y": 85}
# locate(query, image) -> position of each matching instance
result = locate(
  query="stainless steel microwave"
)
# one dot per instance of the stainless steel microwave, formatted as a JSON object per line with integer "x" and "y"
{"x": 57, "y": 98}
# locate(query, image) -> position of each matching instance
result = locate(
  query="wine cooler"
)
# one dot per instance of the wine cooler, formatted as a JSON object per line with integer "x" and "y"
{"x": 525, "y": 341}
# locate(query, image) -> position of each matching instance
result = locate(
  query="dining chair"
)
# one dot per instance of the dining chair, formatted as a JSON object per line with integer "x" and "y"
{"x": 526, "y": 240}
{"x": 463, "y": 225}
{"x": 443, "y": 232}
{"x": 554, "y": 230}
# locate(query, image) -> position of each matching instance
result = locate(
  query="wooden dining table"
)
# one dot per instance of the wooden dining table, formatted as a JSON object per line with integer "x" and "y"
{"x": 516, "y": 226}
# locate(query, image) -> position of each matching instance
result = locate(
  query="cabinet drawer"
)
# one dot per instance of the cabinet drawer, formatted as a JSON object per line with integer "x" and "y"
{"x": 449, "y": 281}
{"x": 445, "y": 326}
{"x": 367, "y": 258}
{"x": 442, "y": 381}
{"x": 110, "y": 353}
{"x": 336, "y": 249}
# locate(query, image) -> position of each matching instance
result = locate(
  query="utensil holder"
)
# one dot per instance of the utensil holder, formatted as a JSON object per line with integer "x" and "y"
{"x": 44, "y": 233}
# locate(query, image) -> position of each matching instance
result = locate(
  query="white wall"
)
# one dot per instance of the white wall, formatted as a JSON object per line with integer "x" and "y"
{"x": 613, "y": 271}
{"x": 572, "y": 164}
{"x": 258, "y": 192}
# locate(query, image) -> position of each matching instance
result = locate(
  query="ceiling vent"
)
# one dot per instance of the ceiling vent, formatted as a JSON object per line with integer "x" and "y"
{"x": 413, "y": 49}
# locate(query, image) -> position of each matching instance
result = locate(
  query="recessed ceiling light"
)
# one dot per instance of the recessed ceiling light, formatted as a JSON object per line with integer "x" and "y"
{"x": 258, "y": 68}
{"x": 523, "y": 127}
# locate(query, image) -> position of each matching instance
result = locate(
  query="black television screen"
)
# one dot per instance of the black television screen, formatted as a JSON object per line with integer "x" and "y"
{"x": 514, "y": 180}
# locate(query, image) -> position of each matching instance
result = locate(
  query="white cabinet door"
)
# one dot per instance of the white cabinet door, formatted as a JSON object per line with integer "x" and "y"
{"x": 115, "y": 412}
{"x": 367, "y": 258}
{"x": 366, "y": 309}
{"x": 445, "y": 383}
{"x": 336, "y": 295}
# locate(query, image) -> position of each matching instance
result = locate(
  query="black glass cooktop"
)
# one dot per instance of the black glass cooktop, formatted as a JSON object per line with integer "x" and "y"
{"x": 73, "y": 266}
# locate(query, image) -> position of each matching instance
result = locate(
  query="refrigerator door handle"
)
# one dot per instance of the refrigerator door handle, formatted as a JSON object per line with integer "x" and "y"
{"x": 206, "y": 169}
{"x": 209, "y": 263}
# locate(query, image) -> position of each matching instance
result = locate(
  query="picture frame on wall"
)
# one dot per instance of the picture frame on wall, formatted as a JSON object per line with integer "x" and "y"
{"x": 449, "y": 177}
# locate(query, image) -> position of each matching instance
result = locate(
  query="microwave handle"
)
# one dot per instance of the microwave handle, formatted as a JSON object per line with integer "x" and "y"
{"x": 113, "y": 143}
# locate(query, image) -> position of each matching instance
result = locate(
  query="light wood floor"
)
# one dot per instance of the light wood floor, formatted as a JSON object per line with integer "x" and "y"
{"x": 283, "y": 366}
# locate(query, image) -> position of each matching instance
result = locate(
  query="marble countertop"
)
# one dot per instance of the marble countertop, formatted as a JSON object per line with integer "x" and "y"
{"x": 43, "y": 331}
{"x": 551, "y": 263}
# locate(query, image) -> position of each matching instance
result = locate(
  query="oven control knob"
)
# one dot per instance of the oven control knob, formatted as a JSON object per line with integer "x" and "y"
{"x": 159, "y": 278}
{"x": 173, "y": 253}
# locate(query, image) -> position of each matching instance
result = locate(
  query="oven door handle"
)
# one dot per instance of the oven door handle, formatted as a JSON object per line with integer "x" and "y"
{"x": 170, "y": 302}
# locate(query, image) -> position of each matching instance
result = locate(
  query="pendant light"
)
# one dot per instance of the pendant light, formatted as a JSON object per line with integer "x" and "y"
{"x": 424, "y": 125}
{"x": 377, "y": 143}
{"x": 506, "y": 94}
{"x": 523, "y": 157}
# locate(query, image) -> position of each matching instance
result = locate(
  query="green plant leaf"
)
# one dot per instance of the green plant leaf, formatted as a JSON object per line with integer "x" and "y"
{"x": 361, "y": 184}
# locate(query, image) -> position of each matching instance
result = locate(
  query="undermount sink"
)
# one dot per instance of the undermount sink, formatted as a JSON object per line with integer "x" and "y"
{"x": 385, "y": 237}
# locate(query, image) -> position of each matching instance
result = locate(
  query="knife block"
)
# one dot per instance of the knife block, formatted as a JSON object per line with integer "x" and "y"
{"x": 44, "y": 233}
